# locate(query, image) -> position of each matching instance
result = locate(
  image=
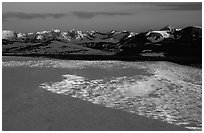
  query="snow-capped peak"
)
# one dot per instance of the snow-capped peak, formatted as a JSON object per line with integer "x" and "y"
{"x": 56, "y": 30}
{"x": 30, "y": 33}
{"x": 163, "y": 33}
{"x": 132, "y": 34}
{"x": 42, "y": 32}
{"x": 113, "y": 31}
{"x": 8, "y": 34}
{"x": 197, "y": 27}
{"x": 177, "y": 29}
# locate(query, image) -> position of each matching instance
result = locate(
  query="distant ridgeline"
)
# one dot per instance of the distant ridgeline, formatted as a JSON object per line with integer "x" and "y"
{"x": 167, "y": 41}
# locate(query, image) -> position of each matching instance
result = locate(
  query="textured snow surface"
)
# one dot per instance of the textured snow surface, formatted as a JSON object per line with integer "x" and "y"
{"x": 171, "y": 93}
{"x": 7, "y": 34}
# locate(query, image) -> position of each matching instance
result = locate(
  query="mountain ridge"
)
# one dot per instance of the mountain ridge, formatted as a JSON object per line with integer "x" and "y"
{"x": 168, "y": 42}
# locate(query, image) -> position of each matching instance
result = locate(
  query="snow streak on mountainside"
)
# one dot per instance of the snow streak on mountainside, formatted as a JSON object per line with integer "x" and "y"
{"x": 168, "y": 32}
{"x": 167, "y": 41}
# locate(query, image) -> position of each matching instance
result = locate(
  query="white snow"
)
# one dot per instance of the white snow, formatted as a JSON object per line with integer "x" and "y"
{"x": 30, "y": 33}
{"x": 56, "y": 30}
{"x": 39, "y": 37}
{"x": 20, "y": 35}
{"x": 8, "y": 34}
{"x": 197, "y": 27}
{"x": 178, "y": 29}
{"x": 132, "y": 34}
{"x": 42, "y": 32}
{"x": 163, "y": 33}
{"x": 64, "y": 34}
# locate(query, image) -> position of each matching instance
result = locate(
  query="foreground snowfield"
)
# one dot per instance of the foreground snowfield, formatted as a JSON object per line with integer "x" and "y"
{"x": 167, "y": 91}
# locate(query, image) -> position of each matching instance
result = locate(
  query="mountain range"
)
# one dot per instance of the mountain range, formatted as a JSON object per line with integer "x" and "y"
{"x": 165, "y": 42}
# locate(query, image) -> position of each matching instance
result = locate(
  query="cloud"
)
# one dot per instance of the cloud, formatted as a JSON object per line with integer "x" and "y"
{"x": 88, "y": 15}
{"x": 182, "y": 6}
{"x": 79, "y": 14}
{"x": 167, "y": 5}
{"x": 21, "y": 15}
{"x": 176, "y": 5}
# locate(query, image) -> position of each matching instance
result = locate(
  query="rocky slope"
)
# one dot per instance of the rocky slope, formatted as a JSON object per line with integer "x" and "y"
{"x": 185, "y": 42}
{"x": 166, "y": 42}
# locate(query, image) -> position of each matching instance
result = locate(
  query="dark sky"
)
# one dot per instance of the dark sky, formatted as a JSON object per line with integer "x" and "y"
{"x": 105, "y": 16}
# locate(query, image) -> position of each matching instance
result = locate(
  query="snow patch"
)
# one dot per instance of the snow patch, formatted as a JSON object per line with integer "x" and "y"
{"x": 8, "y": 34}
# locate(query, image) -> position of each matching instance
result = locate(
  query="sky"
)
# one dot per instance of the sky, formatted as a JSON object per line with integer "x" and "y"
{"x": 99, "y": 16}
